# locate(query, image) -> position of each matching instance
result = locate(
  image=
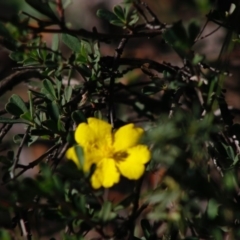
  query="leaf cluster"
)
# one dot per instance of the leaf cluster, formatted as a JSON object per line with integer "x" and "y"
{"x": 190, "y": 187}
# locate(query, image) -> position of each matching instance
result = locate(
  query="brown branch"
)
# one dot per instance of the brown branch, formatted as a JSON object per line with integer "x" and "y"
{"x": 5, "y": 128}
{"x": 34, "y": 163}
{"x": 117, "y": 56}
{"x": 16, "y": 160}
{"x": 95, "y": 35}
{"x": 159, "y": 67}
{"x": 14, "y": 79}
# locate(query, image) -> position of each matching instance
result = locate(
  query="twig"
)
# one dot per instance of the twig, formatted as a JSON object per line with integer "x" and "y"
{"x": 95, "y": 35}
{"x": 203, "y": 28}
{"x": 155, "y": 19}
{"x": 61, "y": 155}
{"x": 159, "y": 67}
{"x": 135, "y": 212}
{"x": 35, "y": 162}
{"x": 118, "y": 53}
{"x": 14, "y": 79}
{"x": 16, "y": 160}
{"x": 5, "y": 128}
{"x": 207, "y": 35}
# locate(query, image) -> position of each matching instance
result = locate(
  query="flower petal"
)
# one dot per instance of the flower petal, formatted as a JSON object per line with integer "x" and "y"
{"x": 106, "y": 174}
{"x": 87, "y": 161}
{"x": 94, "y": 133}
{"x": 84, "y": 135}
{"x": 133, "y": 166}
{"x": 71, "y": 155}
{"x": 126, "y": 137}
{"x": 99, "y": 127}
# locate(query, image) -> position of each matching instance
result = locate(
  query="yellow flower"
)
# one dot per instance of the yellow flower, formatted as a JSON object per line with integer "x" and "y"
{"x": 114, "y": 154}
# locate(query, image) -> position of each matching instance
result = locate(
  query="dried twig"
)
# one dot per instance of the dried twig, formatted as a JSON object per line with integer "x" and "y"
{"x": 14, "y": 79}
{"x": 118, "y": 53}
{"x": 16, "y": 160}
{"x": 34, "y": 163}
{"x": 95, "y": 35}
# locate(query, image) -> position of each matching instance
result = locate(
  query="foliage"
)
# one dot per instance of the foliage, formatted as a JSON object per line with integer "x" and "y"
{"x": 190, "y": 131}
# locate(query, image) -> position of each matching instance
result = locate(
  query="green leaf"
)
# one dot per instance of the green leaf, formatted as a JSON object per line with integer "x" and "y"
{"x": 78, "y": 117}
{"x": 13, "y": 109}
{"x": 107, "y": 15}
{"x": 32, "y": 140}
{"x": 4, "y": 234}
{"x": 49, "y": 90}
{"x": 26, "y": 116}
{"x": 17, "y": 100}
{"x": 44, "y": 8}
{"x": 31, "y": 62}
{"x": 212, "y": 209}
{"x": 71, "y": 138}
{"x": 60, "y": 126}
{"x": 59, "y": 86}
{"x": 72, "y": 42}
{"x": 177, "y": 37}
{"x": 133, "y": 18}
{"x": 18, "y": 138}
{"x": 53, "y": 110}
{"x": 17, "y": 57}
{"x": 84, "y": 70}
{"x": 106, "y": 214}
{"x": 118, "y": 10}
{"x": 146, "y": 228}
{"x": 98, "y": 114}
{"x": 37, "y": 94}
{"x": 11, "y": 121}
{"x": 16, "y": 106}
{"x": 51, "y": 125}
{"x": 40, "y": 132}
{"x": 117, "y": 22}
{"x": 80, "y": 155}
{"x": 68, "y": 93}
{"x": 193, "y": 31}
{"x": 151, "y": 89}
{"x": 235, "y": 160}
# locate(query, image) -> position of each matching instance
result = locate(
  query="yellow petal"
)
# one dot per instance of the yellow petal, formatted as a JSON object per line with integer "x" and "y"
{"x": 106, "y": 174}
{"x": 94, "y": 133}
{"x": 71, "y": 155}
{"x": 99, "y": 127}
{"x": 84, "y": 135}
{"x": 133, "y": 166}
{"x": 95, "y": 180}
{"x": 126, "y": 137}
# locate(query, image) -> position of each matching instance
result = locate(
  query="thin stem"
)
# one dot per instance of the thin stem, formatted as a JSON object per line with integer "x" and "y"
{"x": 16, "y": 160}
{"x": 5, "y": 128}
{"x": 207, "y": 35}
{"x": 95, "y": 35}
{"x": 134, "y": 214}
{"x": 118, "y": 53}
{"x": 14, "y": 79}
{"x": 35, "y": 162}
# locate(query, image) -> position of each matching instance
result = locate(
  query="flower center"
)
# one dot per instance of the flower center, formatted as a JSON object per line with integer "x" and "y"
{"x": 120, "y": 156}
{"x": 108, "y": 151}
